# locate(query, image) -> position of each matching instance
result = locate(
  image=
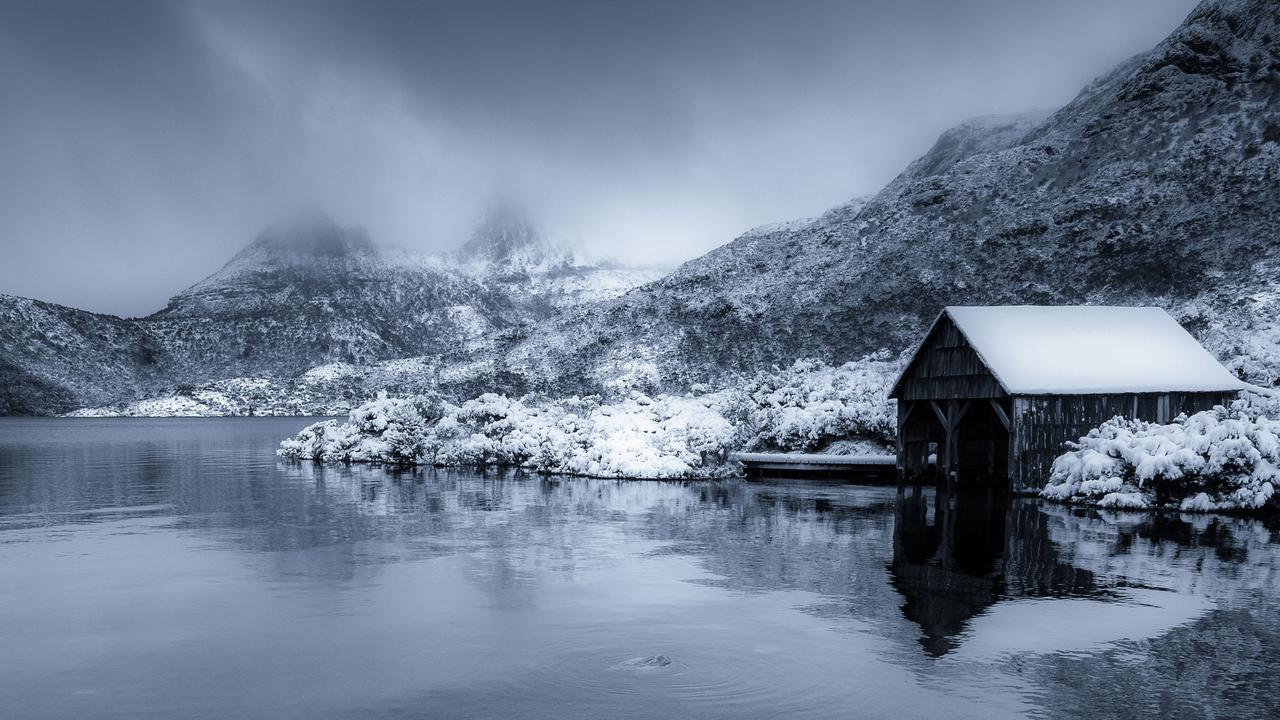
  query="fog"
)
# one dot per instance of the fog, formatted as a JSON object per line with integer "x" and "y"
{"x": 143, "y": 143}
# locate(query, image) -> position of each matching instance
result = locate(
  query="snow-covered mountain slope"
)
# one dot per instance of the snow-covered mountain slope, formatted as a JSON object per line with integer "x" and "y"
{"x": 310, "y": 293}
{"x": 54, "y": 357}
{"x": 1156, "y": 185}
{"x": 303, "y": 294}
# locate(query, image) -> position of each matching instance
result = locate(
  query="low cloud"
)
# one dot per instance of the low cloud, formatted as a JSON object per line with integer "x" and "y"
{"x": 144, "y": 142}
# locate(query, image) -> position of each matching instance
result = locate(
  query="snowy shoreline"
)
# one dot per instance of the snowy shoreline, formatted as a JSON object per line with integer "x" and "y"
{"x": 631, "y": 434}
{"x": 1225, "y": 460}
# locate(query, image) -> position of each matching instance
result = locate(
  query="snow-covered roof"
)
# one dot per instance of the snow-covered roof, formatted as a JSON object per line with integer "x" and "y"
{"x": 1064, "y": 350}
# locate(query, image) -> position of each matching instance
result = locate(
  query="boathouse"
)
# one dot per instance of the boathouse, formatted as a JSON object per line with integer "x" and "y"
{"x": 995, "y": 392}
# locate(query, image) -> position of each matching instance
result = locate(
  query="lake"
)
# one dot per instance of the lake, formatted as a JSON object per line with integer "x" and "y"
{"x": 162, "y": 568}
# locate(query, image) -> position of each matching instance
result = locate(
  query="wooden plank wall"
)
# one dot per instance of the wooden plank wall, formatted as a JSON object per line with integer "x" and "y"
{"x": 948, "y": 368}
{"x": 1043, "y": 424}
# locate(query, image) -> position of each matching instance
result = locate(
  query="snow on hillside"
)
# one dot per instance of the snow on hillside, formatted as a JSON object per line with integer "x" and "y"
{"x": 1154, "y": 186}
{"x": 55, "y": 358}
{"x": 331, "y": 389}
{"x": 1247, "y": 340}
{"x": 304, "y": 294}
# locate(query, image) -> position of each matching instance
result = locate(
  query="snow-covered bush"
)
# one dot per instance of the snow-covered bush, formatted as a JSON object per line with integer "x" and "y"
{"x": 635, "y": 436}
{"x": 810, "y": 404}
{"x": 667, "y": 436}
{"x": 388, "y": 430}
{"x": 631, "y": 434}
{"x": 1220, "y": 459}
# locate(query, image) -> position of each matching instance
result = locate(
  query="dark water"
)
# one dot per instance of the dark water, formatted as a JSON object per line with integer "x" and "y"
{"x": 172, "y": 568}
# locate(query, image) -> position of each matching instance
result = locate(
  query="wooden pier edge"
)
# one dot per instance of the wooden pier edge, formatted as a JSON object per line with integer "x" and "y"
{"x": 867, "y": 469}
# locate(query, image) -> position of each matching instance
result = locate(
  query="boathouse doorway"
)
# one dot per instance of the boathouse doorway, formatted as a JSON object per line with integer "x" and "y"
{"x": 965, "y": 439}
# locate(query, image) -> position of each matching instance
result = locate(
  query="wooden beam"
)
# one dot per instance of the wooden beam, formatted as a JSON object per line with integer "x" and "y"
{"x": 942, "y": 417}
{"x": 905, "y": 414}
{"x": 1000, "y": 413}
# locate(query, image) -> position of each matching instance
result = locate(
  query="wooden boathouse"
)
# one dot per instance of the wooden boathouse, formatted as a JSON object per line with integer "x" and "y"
{"x": 995, "y": 392}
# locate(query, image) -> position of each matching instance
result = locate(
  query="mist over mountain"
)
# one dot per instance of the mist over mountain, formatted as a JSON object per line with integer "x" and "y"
{"x": 305, "y": 293}
{"x": 144, "y": 144}
{"x": 1155, "y": 185}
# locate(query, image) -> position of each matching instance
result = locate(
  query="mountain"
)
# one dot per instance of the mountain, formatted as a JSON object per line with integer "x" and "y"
{"x": 506, "y": 251}
{"x": 304, "y": 294}
{"x": 54, "y": 358}
{"x": 506, "y": 243}
{"x": 310, "y": 292}
{"x": 1155, "y": 185}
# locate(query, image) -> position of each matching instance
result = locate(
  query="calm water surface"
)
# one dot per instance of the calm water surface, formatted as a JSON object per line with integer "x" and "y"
{"x": 173, "y": 568}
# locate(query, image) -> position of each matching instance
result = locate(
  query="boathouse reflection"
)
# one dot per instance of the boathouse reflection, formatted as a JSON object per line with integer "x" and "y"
{"x": 957, "y": 553}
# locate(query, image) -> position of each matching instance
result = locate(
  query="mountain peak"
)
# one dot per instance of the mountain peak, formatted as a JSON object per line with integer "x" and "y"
{"x": 506, "y": 239}
{"x": 307, "y": 251}
{"x": 311, "y": 234}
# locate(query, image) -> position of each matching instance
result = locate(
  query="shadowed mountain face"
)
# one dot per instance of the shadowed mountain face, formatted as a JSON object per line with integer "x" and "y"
{"x": 1155, "y": 185}
{"x": 289, "y": 263}
{"x": 54, "y": 358}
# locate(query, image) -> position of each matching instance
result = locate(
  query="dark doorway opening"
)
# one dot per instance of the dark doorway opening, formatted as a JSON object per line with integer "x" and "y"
{"x": 964, "y": 441}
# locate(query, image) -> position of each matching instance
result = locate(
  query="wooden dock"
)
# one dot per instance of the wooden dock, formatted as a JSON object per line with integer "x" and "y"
{"x": 871, "y": 469}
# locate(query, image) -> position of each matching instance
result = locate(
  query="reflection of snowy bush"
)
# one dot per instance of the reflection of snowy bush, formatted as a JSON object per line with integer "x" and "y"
{"x": 1220, "y": 459}
{"x": 809, "y": 404}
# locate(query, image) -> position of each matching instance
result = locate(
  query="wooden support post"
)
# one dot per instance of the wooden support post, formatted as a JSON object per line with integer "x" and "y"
{"x": 948, "y": 426}
{"x": 1015, "y": 433}
{"x": 1000, "y": 413}
{"x": 905, "y": 408}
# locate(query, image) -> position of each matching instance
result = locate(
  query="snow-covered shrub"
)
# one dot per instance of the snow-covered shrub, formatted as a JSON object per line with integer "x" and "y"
{"x": 325, "y": 441}
{"x": 631, "y": 434}
{"x": 385, "y": 430}
{"x": 810, "y": 404}
{"x": 667, "y": 436}
{"x": 635, "y": 436}
{"x": 1220, "y": 459}
{"x": 1251, "y": 350}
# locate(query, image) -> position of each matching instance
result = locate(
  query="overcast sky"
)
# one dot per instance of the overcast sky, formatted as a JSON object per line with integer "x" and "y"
{"x": 142, "y": 143}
